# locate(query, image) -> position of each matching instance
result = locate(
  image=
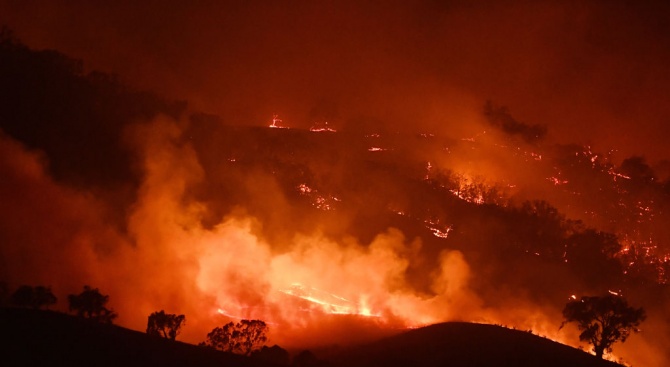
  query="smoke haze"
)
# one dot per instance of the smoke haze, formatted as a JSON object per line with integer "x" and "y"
{"x": 591, "y": 71}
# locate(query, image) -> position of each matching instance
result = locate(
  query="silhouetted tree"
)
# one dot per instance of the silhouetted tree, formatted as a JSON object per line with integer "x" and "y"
{"x": 91, "y": 304}
{"x": 603, "y": 320}
{"x": 242, "y": 338}
{"x": 33, "y": 297}
{"x": 22, "y": 297}
{"x": 164, "y": 324}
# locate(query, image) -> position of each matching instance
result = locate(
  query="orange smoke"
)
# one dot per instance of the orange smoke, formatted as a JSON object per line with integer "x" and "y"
{"x": 169, "y": 261}
{"x": 230, "y": 270}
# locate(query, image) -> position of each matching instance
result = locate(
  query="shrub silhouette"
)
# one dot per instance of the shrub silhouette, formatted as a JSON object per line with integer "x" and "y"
{"x": 242, "y": 338}
{"x": 33, "y": 297}
{"x": 164, "y": 324}
{"x": 90, "y": 304}
{"x": 603, "y": 320}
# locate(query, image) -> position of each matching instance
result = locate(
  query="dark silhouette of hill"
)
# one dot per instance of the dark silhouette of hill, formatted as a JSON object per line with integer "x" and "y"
{"x": 47, "y": 338}
{"x": 51, "y": 104}
{"x": 75, "y": 118}
{"x": 464, "y": 344}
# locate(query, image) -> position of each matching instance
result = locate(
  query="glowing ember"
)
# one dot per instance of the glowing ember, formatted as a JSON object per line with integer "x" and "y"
{"x": 429, "y": 167}
{"x": 557, "y": 181}
{"x": 441, "y": 231}
{"x": 317, "y": 200}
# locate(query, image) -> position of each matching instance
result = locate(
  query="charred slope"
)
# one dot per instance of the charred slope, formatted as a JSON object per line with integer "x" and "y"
{"x": 44, "y": 338}
{"x": 466, "y": 344}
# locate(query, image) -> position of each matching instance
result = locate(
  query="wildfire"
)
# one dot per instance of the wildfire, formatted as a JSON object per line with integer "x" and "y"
{"x": 439, "y": 230}
{"x": 275, "y": 122}
{"x": 327, "y": 302}
{"x": 321, "y": 127}
{"x": 463, "y": 194}
{"x": 557, "y": 181}
{"x": 317, "y": 200}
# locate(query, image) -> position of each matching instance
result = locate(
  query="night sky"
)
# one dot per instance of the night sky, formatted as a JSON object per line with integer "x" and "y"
{"x": 594, "y": 72}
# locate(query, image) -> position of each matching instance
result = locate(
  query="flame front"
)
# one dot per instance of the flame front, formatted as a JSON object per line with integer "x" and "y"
{"x": 318, "y": 279}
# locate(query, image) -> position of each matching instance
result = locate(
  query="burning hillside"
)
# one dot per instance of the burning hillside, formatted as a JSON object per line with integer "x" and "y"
{"x": 334, "y": 228}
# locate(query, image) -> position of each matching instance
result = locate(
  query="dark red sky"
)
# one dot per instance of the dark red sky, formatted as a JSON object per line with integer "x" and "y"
{"x": 596, "y": 72}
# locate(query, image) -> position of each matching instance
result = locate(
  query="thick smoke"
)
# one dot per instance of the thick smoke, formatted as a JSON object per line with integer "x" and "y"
{"x": 168, "y": 260}
{"x": 57, "y": 236}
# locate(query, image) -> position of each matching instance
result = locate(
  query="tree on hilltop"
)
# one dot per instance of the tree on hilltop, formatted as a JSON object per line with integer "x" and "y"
{"x": 33, "y": 297}
{"x": 90, "y": 304}
{"x": 242, "y": 338}
{"x": 164, "y": 324}
{"x": 603, "y": 320}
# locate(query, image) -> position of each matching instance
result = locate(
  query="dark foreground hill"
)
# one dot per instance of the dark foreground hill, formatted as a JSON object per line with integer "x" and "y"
{"x": 44, "y": 338}
{"x": 458, "y": 344}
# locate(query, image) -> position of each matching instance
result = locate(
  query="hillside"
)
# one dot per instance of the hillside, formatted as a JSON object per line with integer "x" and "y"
{"x": 330, "y": 234}
{"x": 45, "y": 338}
{"x": 41, "y": 338}
{"x": 466, "y": 344}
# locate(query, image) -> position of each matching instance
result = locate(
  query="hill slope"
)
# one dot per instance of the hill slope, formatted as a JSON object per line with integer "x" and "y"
{"x": 466, "y": 344}
{"x": 41, "y": 338}
{"x": 44, "y": 338}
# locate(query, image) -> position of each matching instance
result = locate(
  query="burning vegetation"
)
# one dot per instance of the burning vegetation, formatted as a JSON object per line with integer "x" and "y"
{"x": 316, "y": 234}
